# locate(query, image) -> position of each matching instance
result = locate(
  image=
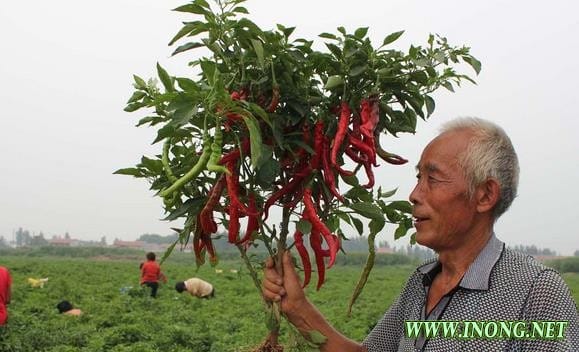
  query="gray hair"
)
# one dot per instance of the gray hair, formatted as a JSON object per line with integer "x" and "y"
{"x": 489, "y": 154}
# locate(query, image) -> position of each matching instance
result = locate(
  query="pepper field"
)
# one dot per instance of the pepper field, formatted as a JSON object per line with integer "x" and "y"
{"x": 119, "y": 316}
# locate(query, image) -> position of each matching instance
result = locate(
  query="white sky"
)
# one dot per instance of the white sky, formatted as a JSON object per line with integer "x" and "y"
{"x": 66, "y": 72}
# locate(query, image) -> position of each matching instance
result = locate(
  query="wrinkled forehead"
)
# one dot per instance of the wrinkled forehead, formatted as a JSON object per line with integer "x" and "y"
{"x": 443, "y": 153}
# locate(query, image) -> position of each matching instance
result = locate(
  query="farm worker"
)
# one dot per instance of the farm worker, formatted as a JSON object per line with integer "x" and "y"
{"x": 65, "y": 307}
{"x": 196, "y": 287}
{"x": 5, "y": 287}
{"x": 151, "y": 274}
{"x": 37, "y": 282}
{"x": 467, "y": 178}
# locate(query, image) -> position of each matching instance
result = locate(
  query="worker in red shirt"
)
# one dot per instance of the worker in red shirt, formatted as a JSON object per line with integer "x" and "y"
{"x": 151, "y": 274}
{"x": 5, "y": 283}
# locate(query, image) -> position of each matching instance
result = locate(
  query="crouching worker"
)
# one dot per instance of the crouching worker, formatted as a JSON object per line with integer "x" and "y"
{"x": 65, "y": 307}
{"x": 196, "y": 287}
{"x": 151, "y": 274}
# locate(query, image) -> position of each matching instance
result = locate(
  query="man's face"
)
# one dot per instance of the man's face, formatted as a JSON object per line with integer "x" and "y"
{"x": 442, "y": 210}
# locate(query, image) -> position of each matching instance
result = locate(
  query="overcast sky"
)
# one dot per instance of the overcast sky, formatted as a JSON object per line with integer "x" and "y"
{"x": 66, "y": 72}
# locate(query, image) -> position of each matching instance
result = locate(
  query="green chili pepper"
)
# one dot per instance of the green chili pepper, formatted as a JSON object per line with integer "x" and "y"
{"x": 165, "y": 161}
{"x": 216, "y": 149}
{"x": 195, "y": 170}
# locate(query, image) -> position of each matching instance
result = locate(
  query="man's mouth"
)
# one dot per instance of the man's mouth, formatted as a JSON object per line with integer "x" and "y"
{"x": 419, "y": 219}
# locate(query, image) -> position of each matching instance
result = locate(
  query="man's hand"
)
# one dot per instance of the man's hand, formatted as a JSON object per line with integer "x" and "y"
{"x": 287, "y": 290}
{"x": 298, "y": 310}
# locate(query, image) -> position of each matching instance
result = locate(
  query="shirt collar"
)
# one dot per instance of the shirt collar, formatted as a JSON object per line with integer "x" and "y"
{"x": 478, "y": 274}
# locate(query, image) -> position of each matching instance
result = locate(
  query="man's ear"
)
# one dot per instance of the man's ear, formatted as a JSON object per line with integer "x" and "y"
{"x": 487, "y": 195}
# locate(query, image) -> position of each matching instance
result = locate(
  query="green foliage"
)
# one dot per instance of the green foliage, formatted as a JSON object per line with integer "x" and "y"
{"x": 120, "y": 316}
{"x": 565, "y": 265}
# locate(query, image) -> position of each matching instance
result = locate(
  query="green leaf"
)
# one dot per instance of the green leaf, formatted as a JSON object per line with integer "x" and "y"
{"x": 240, "y": 9}
{"x": 430, "y": 105}
{"x": 185, "y": 47}
{"x": 139, "y": 82}
{"x": 182, "y": 32}
{"x": 392, "y": 37}
{"x": 358, "y": 225}
{"x": 268, "y": 171}
{"x": 304, "y": 226}
{"x": 448, "y": 86}
{"x": 358, "y": 70}
{"x": 165, "y": 78}
{"x": 191, "y": 204}
{"x": 413, "y": 238}
{"x": 153, "y": 165}
{"x": 164, "y": 132}
{"x": 145, "y": 120}
{"x": 402, "y": 206}
{"x": 187, "y": 84}
{"x": 335, "y": 50}
{"x": 368, "y": 210}
{"x": 258, "y": 47}
{"x": 255, "y": 139}
{"x": 191, "y": 8}
{"x": 334, "y": 82}
{"x": 387, "y": 194}
{"x": 138, "y": 95}
{"x": 400, "y": 231}
{"x": 361, "y": 32}
{"x": 130, "y": 171}
{"x": 333, "y": 223}
{"x": 342, "y": 30}
{"x": 474, "y": 63}
{"x": 328, "y": 36}
{"x": 208, "y": 68}
{"x": 182, "y": 115}
{"x": 351, "y": 180}
{"x": 376, "y": 226}
{"x": 133, "y": 107}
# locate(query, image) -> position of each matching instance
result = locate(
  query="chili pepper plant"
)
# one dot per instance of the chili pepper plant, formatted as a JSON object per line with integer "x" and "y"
{"x": 265, "y": 121}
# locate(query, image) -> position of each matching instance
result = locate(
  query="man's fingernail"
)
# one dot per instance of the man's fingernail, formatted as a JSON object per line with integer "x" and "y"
{"x": 282, "y": 292}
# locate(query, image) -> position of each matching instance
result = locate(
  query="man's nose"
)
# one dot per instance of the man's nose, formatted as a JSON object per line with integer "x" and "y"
{"x": 414, "y": 196}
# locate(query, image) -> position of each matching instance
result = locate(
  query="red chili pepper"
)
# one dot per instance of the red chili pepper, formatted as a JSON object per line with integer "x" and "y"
{"x": 198, "y": 244}
{"x": 341, "y": 131}
{"x": 287, "y": 189}
{"x": 369, "y": 174}
{"x": 208, "y": 224}
{"x": 233, "y": 228}
{"x": 329, "y": 176}
{"x": 252, "y": 221}
{"x": 319, "y": 226}
{"x": 353, "y": 154}
{"x": 316, "y": 244}
{"x": 232, "y": 182}
{"x": 274, "y": 99}
{"x": 364, "y": 148}
{"x": 236, "y": 153}
{"x": 318, "y": 144}
{"x": 303, "y": 252}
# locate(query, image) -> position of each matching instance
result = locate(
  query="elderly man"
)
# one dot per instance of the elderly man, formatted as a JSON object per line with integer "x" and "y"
{"x": 467, "y": 178}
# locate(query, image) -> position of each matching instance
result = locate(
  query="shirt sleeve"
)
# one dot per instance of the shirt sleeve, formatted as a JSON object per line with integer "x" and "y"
{"x": 551, "y": 300}
{"x": 386, "y": 335}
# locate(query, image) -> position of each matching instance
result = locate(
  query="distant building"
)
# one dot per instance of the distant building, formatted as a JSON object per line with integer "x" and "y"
{"x": 129, "y": 244}
{"x": 63, "y": 242}
{"x": 384, "y": 250}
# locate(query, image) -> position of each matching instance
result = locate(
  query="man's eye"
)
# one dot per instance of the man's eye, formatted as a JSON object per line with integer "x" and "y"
{"x": 432, "y": 179}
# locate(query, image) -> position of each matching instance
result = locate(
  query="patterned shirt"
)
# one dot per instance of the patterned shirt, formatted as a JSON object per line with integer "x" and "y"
{"x": 500, "y": 284}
